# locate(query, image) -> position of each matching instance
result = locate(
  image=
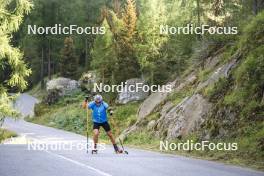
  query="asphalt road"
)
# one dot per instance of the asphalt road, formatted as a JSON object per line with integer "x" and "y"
{"x": 18, "y": 157}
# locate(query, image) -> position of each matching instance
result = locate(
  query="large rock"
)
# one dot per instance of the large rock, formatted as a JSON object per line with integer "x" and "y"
{"x": 184, "y": 118}
{"x": 64, "y": 85}
{"x": 127, "y": 96}
{"x": 222, "y": 71}
{"x": 59, "y": 87}
{"x": 155, "y": 99}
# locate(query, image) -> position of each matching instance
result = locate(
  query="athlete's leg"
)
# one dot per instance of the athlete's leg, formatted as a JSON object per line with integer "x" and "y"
{"x": 95, "y": 134}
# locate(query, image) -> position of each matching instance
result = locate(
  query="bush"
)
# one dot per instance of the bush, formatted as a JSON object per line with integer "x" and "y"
{"x": 52, "y": 96}
{"x": 253, "y": 33}
{"x": 5, "y": 134}
{"x": 40, "y": 109}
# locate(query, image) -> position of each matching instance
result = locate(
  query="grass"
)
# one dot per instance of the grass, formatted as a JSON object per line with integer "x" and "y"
{"x": 249, "y": 153}
{"x": 177, "y": 97}
{"x": 203, "y": 75}
{"x": 5, "y": 134}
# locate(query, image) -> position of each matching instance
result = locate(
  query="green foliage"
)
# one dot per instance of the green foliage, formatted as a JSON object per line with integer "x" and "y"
{"x": 124, "y": 116}
{"x": 148, "y": 49}
{"x": 65, "y": 12}
{"x": 62, "y": 115}
{"x": 177, "y": 96}
{"x": 68, "y": 62}
{"x": 71, "y": 119}
{"x": 40, "y": 109}
{"x": 104, "y": 55}
{"x": 244, "y": 88}
{"x": 216, "y": 91}
{"x": 143, "y": 139}
{"x": 253, "y": 33}
{"x": 204, "y": 74}
{"x": 5, "y": 134}
{"x": 125, "y": 36}
{"x": 13, "y": 70}
{"x": 249, "y": 80}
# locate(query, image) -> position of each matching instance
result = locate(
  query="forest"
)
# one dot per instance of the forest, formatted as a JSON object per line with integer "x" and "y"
{"x": 132, "y": 37}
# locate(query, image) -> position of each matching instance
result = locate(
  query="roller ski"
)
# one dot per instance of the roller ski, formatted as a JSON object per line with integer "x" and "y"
{"x": 125, "y": 152}
{"x": 117, "y": 149}
{"x": 94, "y": 150}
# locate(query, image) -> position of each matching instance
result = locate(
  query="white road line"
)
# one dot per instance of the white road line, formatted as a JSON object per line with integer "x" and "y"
{"x": 80, "y": 164}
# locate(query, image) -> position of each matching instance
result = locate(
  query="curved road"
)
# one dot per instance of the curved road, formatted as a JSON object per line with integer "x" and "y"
{"x": 18, "y": 157}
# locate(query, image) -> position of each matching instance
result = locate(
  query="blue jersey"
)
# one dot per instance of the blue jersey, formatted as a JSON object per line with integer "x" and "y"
{"x": 99, "y": 114}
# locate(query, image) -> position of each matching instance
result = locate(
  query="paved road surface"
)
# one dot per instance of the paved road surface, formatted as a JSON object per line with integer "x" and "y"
{"x": 22, "y": 160}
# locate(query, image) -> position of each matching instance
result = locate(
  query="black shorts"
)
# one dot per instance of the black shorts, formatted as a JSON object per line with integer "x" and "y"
{"x": 105, "y": 126}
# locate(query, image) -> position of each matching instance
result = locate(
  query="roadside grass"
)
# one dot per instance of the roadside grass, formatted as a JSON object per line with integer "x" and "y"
{"x": 248, "y": 154}
{"x": 5, "y": 134}
{"x": 177, "y": 97}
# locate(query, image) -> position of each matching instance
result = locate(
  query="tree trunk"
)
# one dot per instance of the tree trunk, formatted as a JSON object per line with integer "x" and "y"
{"x": 86, "y": 50}
{"x": 49, "y": 62}
{"x": 255, "y": 7}
{"x": 42, "y": 69}
{"x": 152, "y": 77}
{"x": 198, "y": 17}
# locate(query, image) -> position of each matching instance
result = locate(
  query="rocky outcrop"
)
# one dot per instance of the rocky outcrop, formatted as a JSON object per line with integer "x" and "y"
{"x": 155, "y": 99}
{"x": 184, "y": 118}
{"x": 222, "y": 71}
{"x": 191, "y": 113}
{"x": 151, "y": 103}
{"x": 135, "y": 95}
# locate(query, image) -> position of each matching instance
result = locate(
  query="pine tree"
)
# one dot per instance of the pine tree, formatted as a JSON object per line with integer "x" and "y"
{"x": 13, "y": 70}
{"x": 129, "y": 20}
{"x": 150, "y": 41}
{"x": 127, "y": 61}
{"x": 69, "y": 62}
{"x": 104, "y": 55}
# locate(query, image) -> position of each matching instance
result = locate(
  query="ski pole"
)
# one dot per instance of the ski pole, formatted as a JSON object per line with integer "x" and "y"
{"x": 87, "y": 120}
{"x": 87, "y": 136}
{"x": 126, "y": 152}
{"x": 117, "y": 132}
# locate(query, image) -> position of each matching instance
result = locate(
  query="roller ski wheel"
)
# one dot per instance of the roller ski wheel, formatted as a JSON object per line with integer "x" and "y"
{"x": 94, "y": 151}
{"x": 123, "y": 149}
{"x": 119, "y": 151}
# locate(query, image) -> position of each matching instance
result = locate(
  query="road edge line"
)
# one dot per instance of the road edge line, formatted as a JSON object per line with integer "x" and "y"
{"x": 79, "y": 163}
